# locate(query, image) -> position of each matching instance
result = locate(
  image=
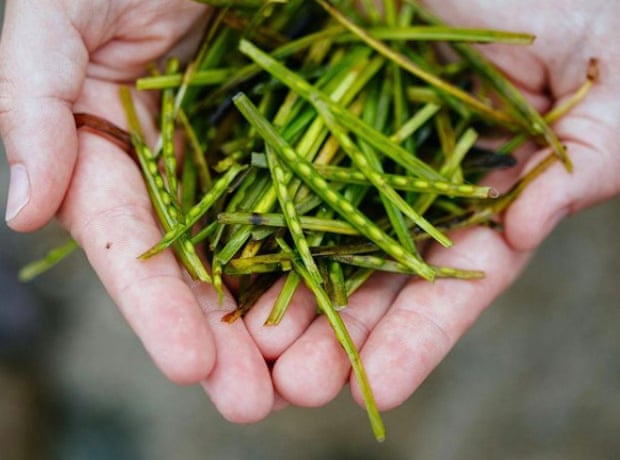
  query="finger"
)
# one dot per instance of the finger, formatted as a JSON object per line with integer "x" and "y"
{"x": 240, "y": 384}
{"x": 272, "y": 340}
{"x": 426, "y": 319}
{"x": 314, "y": 369}
{"x": 108, "y": 212}
{"x": 37, "y": 84}
{"x": 178, "y": 321}
{"x": 556, "y": 194}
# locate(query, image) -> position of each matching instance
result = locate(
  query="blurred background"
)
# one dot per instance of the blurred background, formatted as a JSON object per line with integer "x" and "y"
{"x": 537, "y": 377}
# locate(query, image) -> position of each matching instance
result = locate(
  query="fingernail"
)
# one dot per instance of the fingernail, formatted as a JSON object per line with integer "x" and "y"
{"x": 19, "y": 191}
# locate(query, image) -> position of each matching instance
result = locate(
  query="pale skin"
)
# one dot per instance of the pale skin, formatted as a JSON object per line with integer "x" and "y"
{"x": 61, "y": 56}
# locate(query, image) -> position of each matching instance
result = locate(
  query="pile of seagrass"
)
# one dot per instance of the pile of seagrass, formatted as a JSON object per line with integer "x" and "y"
{"x": 326, "y": 141}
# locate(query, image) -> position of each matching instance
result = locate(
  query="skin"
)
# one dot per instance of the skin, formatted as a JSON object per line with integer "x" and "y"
{"x": 403, "y": 327}
{"x": 96, "y": 191}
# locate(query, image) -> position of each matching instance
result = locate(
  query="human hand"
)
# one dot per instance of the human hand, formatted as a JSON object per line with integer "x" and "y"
{"x": 61, "y": 57}
{"x": 403, "y": 339}
{"x": 405, "y": 327}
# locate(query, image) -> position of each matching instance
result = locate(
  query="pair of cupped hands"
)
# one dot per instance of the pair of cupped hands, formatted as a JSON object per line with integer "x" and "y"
{"x": 64, "y": 56}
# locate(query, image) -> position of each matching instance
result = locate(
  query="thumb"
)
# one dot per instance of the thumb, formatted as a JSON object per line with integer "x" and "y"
{"x": 42, "y": 62}
{"x": 591, "y": 143}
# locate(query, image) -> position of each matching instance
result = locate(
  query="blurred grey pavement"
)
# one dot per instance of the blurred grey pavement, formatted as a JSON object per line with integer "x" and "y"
{"x": 537, "y": 377}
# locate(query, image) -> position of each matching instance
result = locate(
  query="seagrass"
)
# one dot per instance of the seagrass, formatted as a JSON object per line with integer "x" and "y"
{"x": 323, "y": 142}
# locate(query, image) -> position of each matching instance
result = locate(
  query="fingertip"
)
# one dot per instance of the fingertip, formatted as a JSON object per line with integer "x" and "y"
{"x": 539, "y": 208}
{"x": 244, "y": 402}
{"x": 239, "y": 385}
{"x": 528, "y": 226}
{"x": 172, "y": 328}
{"x": 426, "y": 319}
{"x": 313, "y": 370}
{"x": 38, "y": 85}
{"x": 19, "y": 191}
{"x": 398, "y": 356}
{"x": 41, "y": 150}
{"x": 186, "y": 365}
{"x": 247, "y": 415}
{"x": 557, "y": 193}
{"x": 274, "y": 339}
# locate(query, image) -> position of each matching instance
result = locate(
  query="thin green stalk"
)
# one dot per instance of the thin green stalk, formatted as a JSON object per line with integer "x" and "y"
{"x": 375, "y": 113}
{"x": 168, "y": 124}
{"x": 212, "y": 51}
{"x": 348, "y": 82}
{"x": 246, "y": 265}
{"x": 308, "y": 223}
{"x": 370, "y": 8}
{"x": 291, "y": 282}
{"x": 529, "y": 117}
{"x": 259, "y": 16}
{"x": 305, "y": 171}
{"x": 345, "y": 340}
{"x": 168, "y": 213}
{"x": 197, "y": 152}
{"x": 407, "y": 183}
{"x": 375, "y": 177}
{"x": 169, "y": 216}
{"x": 290, "y": 214}
{"x": 452, "y": 165}
{"x": 404, "y": 62}
{"x": 233, "y": 3}
{"x": 201, "y": 78}
{"x": 357, "y": 279}
{"x": 377, "y": 263}
{"x": 53, "y": 257}
{"x": 220, "y": 186}
{"x": 204, "y": 233}
{"x": 189, "y": 184}
{"x": 451, "y": 168}
{"x": 218, "y": 76}
{"x": 441, "y": 33}
{"x": 337, "y": 290}
{"x": 533, "y": 121}
{"x": 218, "y": 283}
{"x": 378, "y": 140}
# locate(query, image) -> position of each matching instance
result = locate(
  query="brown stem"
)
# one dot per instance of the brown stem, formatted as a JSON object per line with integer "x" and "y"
{"x": 107, "y": 130}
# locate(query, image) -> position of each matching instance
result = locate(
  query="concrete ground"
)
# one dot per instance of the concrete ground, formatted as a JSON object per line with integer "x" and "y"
{"x": 536, "y": 378}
